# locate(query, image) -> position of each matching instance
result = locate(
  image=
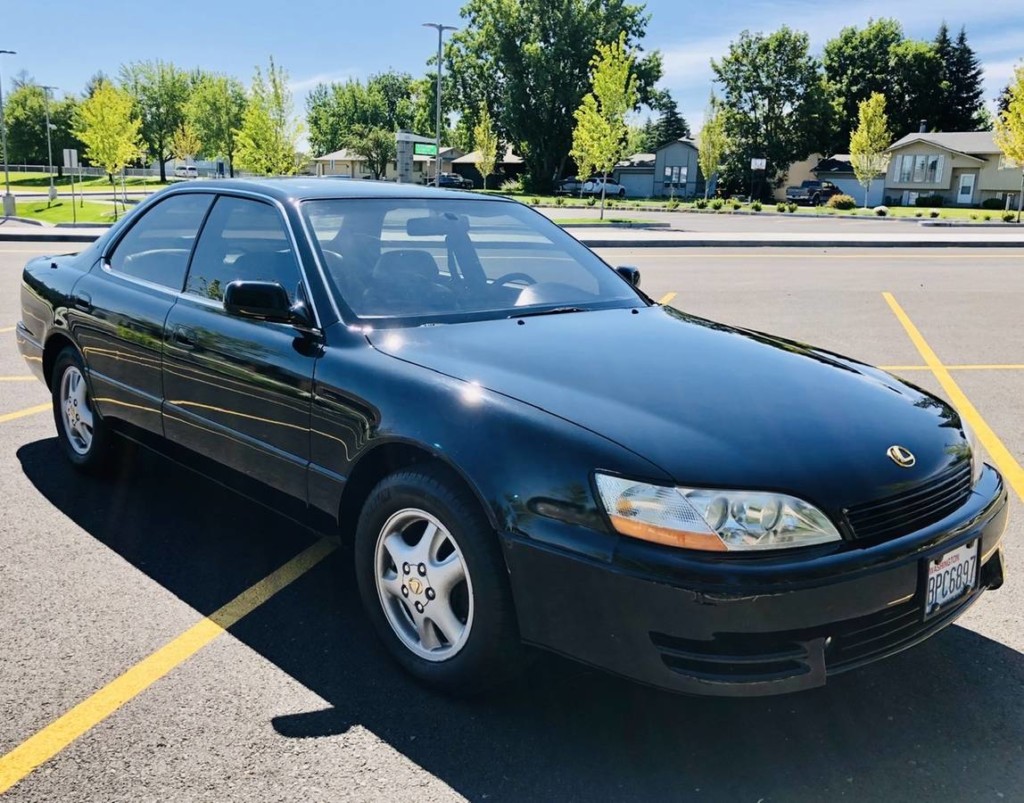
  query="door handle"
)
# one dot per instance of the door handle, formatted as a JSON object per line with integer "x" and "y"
{"x": 82, "y": 301}
{"x": 184, "y": 338}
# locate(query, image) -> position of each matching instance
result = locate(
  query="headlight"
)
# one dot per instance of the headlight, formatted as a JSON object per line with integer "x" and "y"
{"x": 977, "y": 462}
{"x": 711, "y": 520}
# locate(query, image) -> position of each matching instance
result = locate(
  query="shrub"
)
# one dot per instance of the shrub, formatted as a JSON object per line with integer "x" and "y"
{"x": 512, "y": 185}
{"x": 756, "y": 206}
{"x": 792, "y": 207}
{"x": 918, "y": 214}
{"x": 1009, "y": 217}
{"x": 559, "y": 201}
{"x": 933, "y": 213}
{"x": 673, "y": 204}
{"x": 535, "y": 201}
{"x": 929, "y": 200}
{"x": 780, "y": 206}
{"x": 993, "y": 203}
{"x": 609, "y": 203}
{"x": 974, "y": 216}
{"x": 736, "y": 205}
{"x": 841, "y": 202}
{"x": 701, "y": 203}
{"x": 717, "y": 204}
{"x": 881, "y": 211}
{"x": 591, "y": 200}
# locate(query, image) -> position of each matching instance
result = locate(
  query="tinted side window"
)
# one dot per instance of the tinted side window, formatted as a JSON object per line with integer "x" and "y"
{"x": 245, "y": 240}
{"x": 156, "y": 248}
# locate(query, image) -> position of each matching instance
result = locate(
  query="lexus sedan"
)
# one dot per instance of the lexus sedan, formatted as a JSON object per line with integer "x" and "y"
{"x": 522, "y": 448}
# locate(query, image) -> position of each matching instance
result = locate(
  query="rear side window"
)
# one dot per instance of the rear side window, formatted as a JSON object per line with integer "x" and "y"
{"x": 245, "y": 240}
{"x": 156, "y": 248}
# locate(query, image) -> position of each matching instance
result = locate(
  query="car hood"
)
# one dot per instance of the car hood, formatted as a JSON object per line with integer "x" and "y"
{"x": 708, "y": 404}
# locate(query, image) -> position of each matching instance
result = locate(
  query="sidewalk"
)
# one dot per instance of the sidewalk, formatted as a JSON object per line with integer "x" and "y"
{"x": 639, "y": 238}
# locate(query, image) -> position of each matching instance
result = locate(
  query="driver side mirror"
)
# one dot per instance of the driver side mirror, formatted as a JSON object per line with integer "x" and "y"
{"x": 264, "y": 301}
{"x": 630, "y": 273}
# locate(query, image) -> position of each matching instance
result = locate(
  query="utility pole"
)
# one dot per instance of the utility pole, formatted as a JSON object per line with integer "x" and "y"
{"x": 9, "y": 205}
{"x": 49, "y": 147}
{"x": 437, "y": 130}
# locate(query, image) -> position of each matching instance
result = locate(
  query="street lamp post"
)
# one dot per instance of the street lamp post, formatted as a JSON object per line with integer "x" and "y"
{"x": 49, "y": 147}
{"x": 437, "y": 130}
{"x": 9, "y": 205}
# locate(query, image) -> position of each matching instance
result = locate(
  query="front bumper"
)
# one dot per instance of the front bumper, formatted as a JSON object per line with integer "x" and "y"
{"x": 747, "y": 627}
{"x": 31, "y": 350}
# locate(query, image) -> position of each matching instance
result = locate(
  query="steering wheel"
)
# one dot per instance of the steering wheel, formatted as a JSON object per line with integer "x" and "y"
{"x": 513, "y": 277}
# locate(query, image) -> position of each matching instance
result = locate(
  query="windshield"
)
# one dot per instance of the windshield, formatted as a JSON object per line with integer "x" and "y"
{"x": 405, "y": 261}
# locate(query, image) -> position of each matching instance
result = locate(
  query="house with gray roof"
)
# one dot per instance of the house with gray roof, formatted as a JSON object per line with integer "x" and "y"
{"x": 963, "y": 168}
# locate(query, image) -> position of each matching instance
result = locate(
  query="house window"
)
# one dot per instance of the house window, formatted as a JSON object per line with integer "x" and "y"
{"x": 675, "y": 175}
{"x": 920, "y": 168}
{"x": 934, "y": 172}
{"x": 906, "y": 169}
{"x": 1005, "y": 163}
{"x": 920, "y": 163}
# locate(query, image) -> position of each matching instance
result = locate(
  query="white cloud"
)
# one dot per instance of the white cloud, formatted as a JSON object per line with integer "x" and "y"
{"x": 301, "y": 86}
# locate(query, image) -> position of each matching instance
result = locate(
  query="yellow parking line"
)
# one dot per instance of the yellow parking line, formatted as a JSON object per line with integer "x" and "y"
{"x": 667, "y": 298}
{"x": 39, "y": 408}
{"x": 4, "y": 329}
{"x": 992, "y": 367}
{"x": 46, "y": 743}
{"x": 17, "y": 379}
{"x": 1005, "y": 462}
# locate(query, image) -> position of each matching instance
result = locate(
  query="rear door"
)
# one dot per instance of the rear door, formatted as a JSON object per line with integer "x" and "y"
{"x": 120, "y": 306}
{"x": 239, "y": 390}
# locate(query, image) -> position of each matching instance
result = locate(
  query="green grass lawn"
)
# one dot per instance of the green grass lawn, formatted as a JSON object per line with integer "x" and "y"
{"x": 60, "y": 211}
{"x": 35, "y": 182}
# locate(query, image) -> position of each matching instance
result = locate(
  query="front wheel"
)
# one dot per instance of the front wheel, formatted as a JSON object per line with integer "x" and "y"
{"x": 433, "y": 581}
{"x": 86, "y": 439}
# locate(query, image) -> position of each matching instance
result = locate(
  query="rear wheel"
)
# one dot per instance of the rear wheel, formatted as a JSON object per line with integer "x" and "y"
{"x": 433, "y": 582}
{"x": 87, "y": 441}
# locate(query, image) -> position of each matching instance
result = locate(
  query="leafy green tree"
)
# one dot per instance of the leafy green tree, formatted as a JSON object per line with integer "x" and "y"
{"x": 216, "y": 109}
{"x": 107, "y": 125}
{"x": 185, "y": 144}
{"x": 869, "y": 142}
{"x": 334, "y": 111}
{"x": 857, "y": 65}
{"x": 485, "y": 140}
{"x": 1009, "y": 130}
{"x": 916, "y": 88}
{"x": 160, "y": 91}
{"x": 25, "y": 116}
{"x": 671, "y": 125}
{"x": 712, "y": 143}
{"x": 600, "y": 133}
{"x": 376, "y": 145}
{"x": 267, "y": 142}
{"x": 529, "y": 61}
{"x": 773, "y": 103}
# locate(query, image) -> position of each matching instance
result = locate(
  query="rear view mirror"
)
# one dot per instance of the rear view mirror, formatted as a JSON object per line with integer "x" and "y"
{"x": 264, "y": 301}
{"x": 436, "y": 225}
{"x": 630, "y": 273}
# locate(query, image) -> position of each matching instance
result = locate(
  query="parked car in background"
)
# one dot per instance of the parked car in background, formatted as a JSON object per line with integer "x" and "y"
{"x": 186, "y": 171}
{"x": 812, "y": 193}
{"x": 612, "y": 188}
{"x": 519, "y": 445}
{"x": 569, "y": 186}
{"x": 451, "y": 181}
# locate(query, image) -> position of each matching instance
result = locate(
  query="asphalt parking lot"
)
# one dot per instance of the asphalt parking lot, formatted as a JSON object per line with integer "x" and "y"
{"x": 99, "y": 582}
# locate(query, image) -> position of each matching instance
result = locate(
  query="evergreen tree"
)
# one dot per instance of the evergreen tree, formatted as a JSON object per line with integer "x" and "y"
{"x": 650, "y": 137}
{"x": 671, "y": 125}
{"x": 964, "y": 79}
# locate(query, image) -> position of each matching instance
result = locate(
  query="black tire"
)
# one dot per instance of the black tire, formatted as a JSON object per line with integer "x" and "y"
{"x": 622, "y": 193}
{"x": 98, "y": 457}
{"x": 492, "y": 652}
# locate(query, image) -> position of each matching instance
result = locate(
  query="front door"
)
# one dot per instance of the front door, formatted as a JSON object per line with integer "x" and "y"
{"x": 965, "y": 196}
{"x": 235, "y": 389}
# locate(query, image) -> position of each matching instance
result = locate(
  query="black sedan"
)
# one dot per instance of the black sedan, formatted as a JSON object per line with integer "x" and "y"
{"x": 520, "y": 445}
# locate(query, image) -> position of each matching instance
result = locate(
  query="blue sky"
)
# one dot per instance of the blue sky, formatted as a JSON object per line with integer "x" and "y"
{"x": 317, "y": 40}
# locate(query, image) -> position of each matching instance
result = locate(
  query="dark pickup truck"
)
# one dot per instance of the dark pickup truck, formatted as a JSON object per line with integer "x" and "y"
{"x": 812, "y": 193}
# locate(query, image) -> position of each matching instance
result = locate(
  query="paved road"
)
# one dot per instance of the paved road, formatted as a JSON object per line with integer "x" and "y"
{"x": 299, "y": 703}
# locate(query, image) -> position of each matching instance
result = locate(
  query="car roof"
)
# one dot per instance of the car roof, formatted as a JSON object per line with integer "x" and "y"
{"x": 309, "y": 188}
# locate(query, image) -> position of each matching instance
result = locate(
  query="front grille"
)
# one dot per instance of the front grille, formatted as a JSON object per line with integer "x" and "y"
{"x": 913, "y": 509}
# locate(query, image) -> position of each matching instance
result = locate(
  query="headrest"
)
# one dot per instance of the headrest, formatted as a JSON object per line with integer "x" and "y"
{"x": 406, "y": 262}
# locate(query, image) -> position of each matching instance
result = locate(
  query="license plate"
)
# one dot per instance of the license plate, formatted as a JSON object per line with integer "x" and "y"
{"x": 950, "y": 576}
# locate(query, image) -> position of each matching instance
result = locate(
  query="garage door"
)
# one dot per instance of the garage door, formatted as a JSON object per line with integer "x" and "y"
{"x": 638, "y": 185}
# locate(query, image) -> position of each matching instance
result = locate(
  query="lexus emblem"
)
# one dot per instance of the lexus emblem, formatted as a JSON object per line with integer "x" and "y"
{"x": 901, "y": 456}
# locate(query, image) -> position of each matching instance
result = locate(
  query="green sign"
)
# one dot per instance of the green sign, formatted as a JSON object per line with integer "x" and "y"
{"x": 424, "y": 149}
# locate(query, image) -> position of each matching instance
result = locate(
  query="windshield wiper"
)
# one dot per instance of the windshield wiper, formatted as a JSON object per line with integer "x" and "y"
{"x": 552, "y": 311}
